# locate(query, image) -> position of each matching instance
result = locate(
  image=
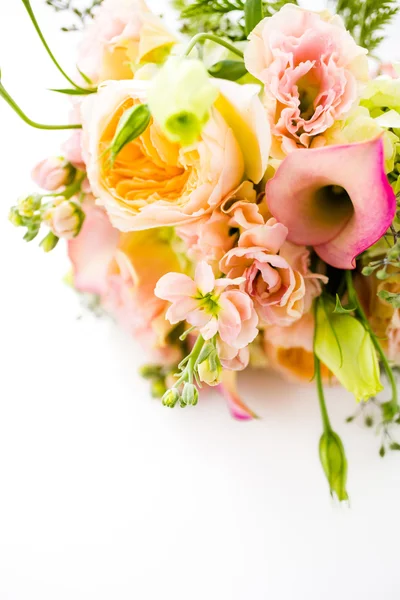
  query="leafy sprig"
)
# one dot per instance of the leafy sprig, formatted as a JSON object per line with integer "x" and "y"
{"x": 82, "y": 12}
{"x": 366, "y": 19}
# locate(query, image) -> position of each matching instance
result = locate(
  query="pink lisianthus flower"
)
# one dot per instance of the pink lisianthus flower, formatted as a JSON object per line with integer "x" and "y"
{"x": 277, "y": 289}
{"x": 336, "y": 199}
{"x": 213, "y": 235}
{"x": 207, "y": 304}
{"x": 311, "y": 68}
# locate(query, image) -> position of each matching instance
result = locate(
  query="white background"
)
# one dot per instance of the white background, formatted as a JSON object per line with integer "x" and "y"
{"x": 105, "y": 494}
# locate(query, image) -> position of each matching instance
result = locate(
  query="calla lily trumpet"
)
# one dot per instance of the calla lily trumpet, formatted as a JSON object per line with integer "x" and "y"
{"x": 337, "y": 199}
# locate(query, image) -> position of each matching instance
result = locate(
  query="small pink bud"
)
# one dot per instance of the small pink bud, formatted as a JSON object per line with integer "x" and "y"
{"x": 52, "y": 173}
{"x": 64, "y": 219}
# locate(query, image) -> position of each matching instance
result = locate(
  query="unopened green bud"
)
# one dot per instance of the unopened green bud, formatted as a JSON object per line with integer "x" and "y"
{"x": 190, "y": 395}
{"x": 158, "y": 388}
{"x": 180, "y": 99}
{"x": 210, "y": 369}
{"x": 150, "y": 371}
{"x": 368, "y": 270}
{"x": 49, "y": 242}
{"x": 334, "y": 463}
{"x": 382, "y": 274}
{"x": 28, "y": 205}
{"x": 171, "y": 397}
{"x": 131, "y": 125}
{"x": 14, "y": 217}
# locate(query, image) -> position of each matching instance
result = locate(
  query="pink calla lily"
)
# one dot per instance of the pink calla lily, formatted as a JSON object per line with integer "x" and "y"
{"x": 336, "y": 198}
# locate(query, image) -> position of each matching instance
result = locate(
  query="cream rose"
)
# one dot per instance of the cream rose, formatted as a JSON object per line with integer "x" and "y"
{"x": 155, "y": 182}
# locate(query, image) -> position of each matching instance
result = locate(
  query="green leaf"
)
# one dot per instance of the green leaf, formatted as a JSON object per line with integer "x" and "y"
{"x": 342, "y": 310}
{"x": 228, "y": 69}
{"x": 367, "y": 19}
{"x": 394, "y": 446}
{"x": 253, "y": 14}
{"x": 72, "y": 91}
{"x": 382, "y": 451}
{"x": 85, "y": 77}
{"x": 133, "y": 123}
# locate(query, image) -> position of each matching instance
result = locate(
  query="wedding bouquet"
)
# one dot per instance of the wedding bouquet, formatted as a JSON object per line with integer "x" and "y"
{"x": 231, "y": 199}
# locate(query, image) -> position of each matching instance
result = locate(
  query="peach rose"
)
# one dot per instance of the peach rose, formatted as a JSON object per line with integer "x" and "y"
{"x": 155, "y": 182}
{"x": 123, "y": 270}
{"x": 311, "y": 68}
{"x": 123, "y": 34}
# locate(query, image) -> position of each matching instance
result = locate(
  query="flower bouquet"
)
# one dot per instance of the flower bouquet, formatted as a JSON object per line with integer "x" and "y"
{"x": 231, "y": 198}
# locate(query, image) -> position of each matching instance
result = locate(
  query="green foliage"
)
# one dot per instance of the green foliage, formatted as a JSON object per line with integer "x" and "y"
{"x": 221, "y": 17}
{"x": 366, "y": 19}
{"x": 82, "y": 11}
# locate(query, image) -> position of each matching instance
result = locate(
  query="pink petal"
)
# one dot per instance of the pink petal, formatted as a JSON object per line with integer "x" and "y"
{"x": 228, "y": 388}
{"x": 229, "y": 323}
{"x": 92, "y": 251}
{"x": 172, "y": 286}
{"x": 204, "y": 278}
{"x": 339, "y": 231}
{"x": 180, "y": 309}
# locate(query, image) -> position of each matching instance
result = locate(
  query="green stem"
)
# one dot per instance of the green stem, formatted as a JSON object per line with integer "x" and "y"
{"x": 32, "y": 17}
{"x": 6, "y": 96}
{"x": 318, "y": 378}
{"x": 353, "y": 299}
{"x": 214, "y": 38}
{"x": 187, "y": 374}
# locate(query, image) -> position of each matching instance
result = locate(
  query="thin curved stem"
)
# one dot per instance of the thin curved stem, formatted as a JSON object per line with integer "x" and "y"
{"x": 6, "y": 96}
{"x": 214, "y": 38}
{"x": 32, "y": 17}
{"x": 353, "y": 298}
{"x": 318, "y": 380}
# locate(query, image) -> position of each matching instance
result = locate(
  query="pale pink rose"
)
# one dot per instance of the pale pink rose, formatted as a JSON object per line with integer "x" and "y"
{"x": 155, "y": 182}
{"x": 123, "y": 34}
{"x": 206, "y": 303}
{"x": 277, "y": 289}
{"x": 311, "y": 68}
{"x": 52, "y": 173}
{"x": 122, "y": 269}
{"x": 290, "y": 349}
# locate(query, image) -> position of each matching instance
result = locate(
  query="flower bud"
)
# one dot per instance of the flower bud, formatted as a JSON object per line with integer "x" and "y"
{"x": 190, "y": 395}
{"x": 180, "y": 99}
{"x": 28, "y": 205}
{"x": 171, "y": 397}
{"x": 158, "y": 388}
{"x": 53, "y": 173}
{"x": 49, "y": 242}
{"x": 346, "y": 348}
{"x": 14, "y": 217}
{"x": 334, "y": 463}
{"x": 64, "y": 218}
{"x": 210, "y": 369}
